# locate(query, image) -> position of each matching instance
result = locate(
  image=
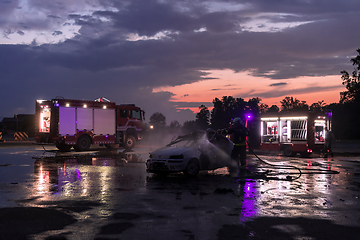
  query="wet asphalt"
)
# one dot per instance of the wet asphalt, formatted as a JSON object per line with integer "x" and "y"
{"x": 107, "y": 194}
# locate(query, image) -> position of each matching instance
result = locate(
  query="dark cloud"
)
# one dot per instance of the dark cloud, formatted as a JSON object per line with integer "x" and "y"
{"x": 278, "y": 84}
{"x": 293, "y": 92}
{"x": 150, "y": 17}
{"x": 52, "y": 16}
{"x": 57, "y": 33}
{"x": 7, "y": 7}
{"x": 101, "y": 61}
{"x": 192, "y": 104}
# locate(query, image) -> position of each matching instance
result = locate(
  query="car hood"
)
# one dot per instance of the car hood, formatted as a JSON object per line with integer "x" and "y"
{"x": 166, "y": 152}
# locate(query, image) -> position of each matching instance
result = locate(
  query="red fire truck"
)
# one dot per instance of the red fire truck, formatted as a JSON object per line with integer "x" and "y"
{"x": 294, "y": 132}
{"x": 78, "y": 123}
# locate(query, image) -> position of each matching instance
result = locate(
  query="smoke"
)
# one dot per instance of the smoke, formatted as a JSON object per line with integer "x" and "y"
{"x": 217, "y": 148}
{"x": 153, "y": 140}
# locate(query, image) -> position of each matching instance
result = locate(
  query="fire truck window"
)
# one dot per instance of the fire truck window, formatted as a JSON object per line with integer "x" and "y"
{"x": 298, "y": 129}
{"x": 123, "y": 113}
{"x": 284, "y": 131}
{"x": 44, "y": 120}
{"x": 271, "y": 128}
{"x": 136, "y": 114}
{"x": 270, "y": 132}
{"x": 319, "y": 134}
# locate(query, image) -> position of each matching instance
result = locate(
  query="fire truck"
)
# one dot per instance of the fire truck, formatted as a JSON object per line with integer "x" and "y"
{"x": 79, "y": 123}
{"x": 294, "y": 132}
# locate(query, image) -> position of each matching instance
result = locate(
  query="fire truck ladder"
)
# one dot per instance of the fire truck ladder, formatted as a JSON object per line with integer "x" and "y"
{"x": 102, "y": 99}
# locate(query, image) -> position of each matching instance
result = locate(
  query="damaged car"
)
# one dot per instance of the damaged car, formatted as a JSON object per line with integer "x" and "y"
{"x": 191, "y": 153}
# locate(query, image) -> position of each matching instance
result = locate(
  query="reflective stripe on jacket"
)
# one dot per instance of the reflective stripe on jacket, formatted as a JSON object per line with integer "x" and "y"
{"x": 239, "y": 135}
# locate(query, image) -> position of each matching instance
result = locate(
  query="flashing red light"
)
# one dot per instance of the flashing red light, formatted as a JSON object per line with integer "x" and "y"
{"x": 309, "y": 150}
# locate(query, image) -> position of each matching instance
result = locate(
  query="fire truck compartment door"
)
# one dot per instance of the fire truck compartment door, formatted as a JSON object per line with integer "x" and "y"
{"x": 67, "y": 121}
{"x": 84, "y": 119}
{"x": 104, "y": 121}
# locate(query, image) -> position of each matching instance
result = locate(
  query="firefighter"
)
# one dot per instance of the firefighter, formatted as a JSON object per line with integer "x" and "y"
{"x": 240, "y": 132}
{"x": 329, "y": 137}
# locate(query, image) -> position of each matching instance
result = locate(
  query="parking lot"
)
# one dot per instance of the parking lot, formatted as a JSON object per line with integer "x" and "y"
{"x": 107, "y": 194}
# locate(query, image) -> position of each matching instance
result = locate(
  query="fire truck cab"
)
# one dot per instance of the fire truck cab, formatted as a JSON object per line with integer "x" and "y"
{"x": 294, "y": 132}
{"x": 79, "y": 123}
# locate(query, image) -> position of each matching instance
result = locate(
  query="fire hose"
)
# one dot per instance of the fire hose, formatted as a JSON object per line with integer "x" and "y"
{"x": 267, "y": 175}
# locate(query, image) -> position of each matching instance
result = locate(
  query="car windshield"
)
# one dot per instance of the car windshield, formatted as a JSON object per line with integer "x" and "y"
{"x": 189, "y": 140}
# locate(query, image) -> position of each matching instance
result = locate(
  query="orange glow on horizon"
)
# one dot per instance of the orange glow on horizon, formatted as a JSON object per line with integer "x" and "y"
{"x": 244, "y": 85}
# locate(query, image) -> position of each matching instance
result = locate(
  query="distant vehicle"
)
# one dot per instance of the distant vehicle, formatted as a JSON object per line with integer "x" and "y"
{"x": 191, "y": 153}
{"x": 79, "y": 123}
{"x": 294, "y": 132}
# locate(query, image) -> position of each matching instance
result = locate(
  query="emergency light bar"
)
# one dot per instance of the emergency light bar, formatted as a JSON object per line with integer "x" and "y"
{"x": 293, "y": 118}
{"x": 269, "y": 119}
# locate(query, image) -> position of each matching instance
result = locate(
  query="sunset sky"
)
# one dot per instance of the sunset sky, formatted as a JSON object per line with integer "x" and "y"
{"x": 171, "y": 56}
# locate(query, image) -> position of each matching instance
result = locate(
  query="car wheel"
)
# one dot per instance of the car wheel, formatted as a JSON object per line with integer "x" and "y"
{"x": 192, "y": 168}
{"x": 129, "y": 142}
{"x": 84, "y": 143}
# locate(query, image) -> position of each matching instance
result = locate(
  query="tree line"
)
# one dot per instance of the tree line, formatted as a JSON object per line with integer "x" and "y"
{"x": 345, "y": 114}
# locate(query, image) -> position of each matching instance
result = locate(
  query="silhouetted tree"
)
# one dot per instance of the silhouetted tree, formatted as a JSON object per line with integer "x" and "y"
{"x": 319, "y": 106}
{"x": 352, "y": 82}
{"x": 346, "y": 113}
{"x": 263, "y": 107}
{"x": 291, "y": 104}
{"x": 174, "y": 127}
{"x": 274, "y": 109}
{"x": 253, "y": 106}
{"x": 202, "y": 117}
{"x": 229, "y": 107}
{"x": 189, "y": 126}
{"x": 225, "y": 110}
{"x": 158, "y": 120}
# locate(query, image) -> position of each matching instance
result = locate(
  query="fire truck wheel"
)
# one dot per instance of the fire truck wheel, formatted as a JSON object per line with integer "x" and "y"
{"x": 288, "y": 152}
{"x": 84, "y": 143}
{"x": 129, "y": 142}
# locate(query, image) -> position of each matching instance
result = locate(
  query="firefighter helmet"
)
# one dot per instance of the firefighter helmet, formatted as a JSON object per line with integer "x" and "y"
{"x": 237, "y": 122}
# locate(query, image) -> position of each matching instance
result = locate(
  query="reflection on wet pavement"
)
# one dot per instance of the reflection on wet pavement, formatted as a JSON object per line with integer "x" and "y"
{"x": 69, "y": 174}
{"x": 111, "y": 195}
{"x": 324, "y": 185}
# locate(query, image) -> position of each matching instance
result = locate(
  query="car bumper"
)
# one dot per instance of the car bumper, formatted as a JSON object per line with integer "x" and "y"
{"x": 161, "y": 165}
